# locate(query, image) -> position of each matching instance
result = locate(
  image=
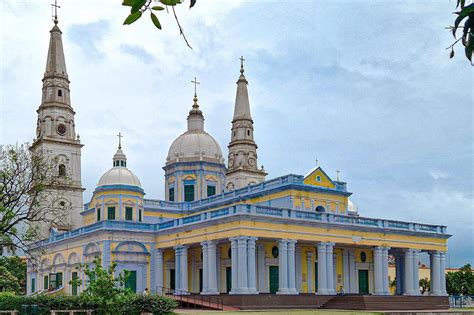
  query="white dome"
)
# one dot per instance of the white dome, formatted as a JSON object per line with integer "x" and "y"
{"x": 194, "y": 144}
{"x": 351, "y": 207}
{"x": 119, "y": 176}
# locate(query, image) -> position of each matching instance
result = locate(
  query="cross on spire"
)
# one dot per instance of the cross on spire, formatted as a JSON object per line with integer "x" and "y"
{"x": 120, "y": 140}
{"x": 337, "y": 174}
{"x": 242, "y": 64}
{"x": 55, "y": 6}
{"x": 195, "y": 85}
{"x": 317, "y": 162}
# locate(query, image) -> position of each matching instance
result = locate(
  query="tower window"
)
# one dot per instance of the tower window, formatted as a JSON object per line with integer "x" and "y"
{"x": 320, "y": 209}
{"x": 188, "y": 193}
{"x": 111, "y": 213}
{"x": 140, "y": 215}
{"x": 62, "y": 170}
{"x": 171, "y": 194}
{"x": 248, "y": 132}
{"x": 98, "y": 214}
{"x": 211, "y": 190}
{"x": 128, "y": 213}
{"x": 60, "y": 93}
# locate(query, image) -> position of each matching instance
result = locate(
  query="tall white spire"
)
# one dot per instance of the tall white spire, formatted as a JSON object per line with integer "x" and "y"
{"x": 56, "y": 137}
{"x": 243, "y": 169}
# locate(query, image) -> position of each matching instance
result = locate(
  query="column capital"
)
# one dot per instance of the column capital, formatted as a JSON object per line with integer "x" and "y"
{"x": 330, "y": 244}
{"x": 283, "y": 243}
{"x": 204, "y": 244}
{"x": 252, "y": 239}
{"x": 292, "y": 242}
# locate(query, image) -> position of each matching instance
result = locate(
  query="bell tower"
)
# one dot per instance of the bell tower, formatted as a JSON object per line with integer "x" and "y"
{"x": 56, "y": 137}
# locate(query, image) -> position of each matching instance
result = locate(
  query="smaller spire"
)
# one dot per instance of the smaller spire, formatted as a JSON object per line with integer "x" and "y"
{"x": 120, "y": 159}
{"x": 195, "y": 99}
{"x": 55, "y": 7}
{"x": 242, "y": 64}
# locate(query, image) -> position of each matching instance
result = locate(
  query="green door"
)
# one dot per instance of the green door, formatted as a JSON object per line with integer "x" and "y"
{"x": 74, "y": 283}
{"x": 131, "y": 282}
{"x": 172, "y": 279}
{"x": 315, "y": 277}
{"x": 274, "y": 279}
{"x": 363, "y": 282}
{"x": 228, "y": 279}
{"x": 200, "y": 280}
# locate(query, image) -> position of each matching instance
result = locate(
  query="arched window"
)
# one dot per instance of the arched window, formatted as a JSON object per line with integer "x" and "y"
{"x": 60, "y": 93}
{"x": 320, "y": 209}
{"x": 62, "y": 170}
{"x": 248, "y": 132}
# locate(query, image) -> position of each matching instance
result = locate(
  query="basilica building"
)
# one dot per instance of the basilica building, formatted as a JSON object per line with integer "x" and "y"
{"x": 222, "y": 228}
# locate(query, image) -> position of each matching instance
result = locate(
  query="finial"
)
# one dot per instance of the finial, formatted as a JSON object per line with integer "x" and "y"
{"x": 55, "y": 6}
{"x": 337, "y": 174}
{"x": 120, "y": 140}
{"x": 242, "y": 64}
{"x": 195, "y": 99}
{"x": 317, "y": 162}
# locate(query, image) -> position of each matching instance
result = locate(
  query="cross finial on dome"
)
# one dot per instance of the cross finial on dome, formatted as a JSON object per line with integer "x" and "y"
{"x": 195, "y": 99}
{"x": 55, "y": 7}
{"x": 317, "y": 162}
{"x": 120, "y": 140}
{"x": 242, "y": 64}
{"x": 337, "y": 174}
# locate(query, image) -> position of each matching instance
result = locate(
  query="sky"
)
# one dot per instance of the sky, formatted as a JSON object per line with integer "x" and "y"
{"x": 366, "y": 87}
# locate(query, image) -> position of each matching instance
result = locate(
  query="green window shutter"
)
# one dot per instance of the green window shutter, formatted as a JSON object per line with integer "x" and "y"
{"x": 128, "y": 213}
{"x": 110, "y": 213}
{"x": 98, "y": 214}
{"x": 171, "y": 194}
{"x": 33, "y": 285}
{"x": 59, "y": 279}
{"x": 188, "y": 193}
{"x": 45, "y": 283}
{"x": 211, "y": 190}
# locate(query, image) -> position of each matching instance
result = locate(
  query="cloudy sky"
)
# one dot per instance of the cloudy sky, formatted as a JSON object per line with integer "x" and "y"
{"x": 366, "y": 87}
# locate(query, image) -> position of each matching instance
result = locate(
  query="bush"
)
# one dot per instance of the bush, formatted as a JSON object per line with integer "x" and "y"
{"x": 130, "y": 304}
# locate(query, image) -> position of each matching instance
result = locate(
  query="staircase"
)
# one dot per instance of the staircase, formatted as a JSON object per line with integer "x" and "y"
{"x": 377, "y": 303}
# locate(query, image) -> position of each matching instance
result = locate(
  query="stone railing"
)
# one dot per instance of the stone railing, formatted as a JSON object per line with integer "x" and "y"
{"x": 252, "y": 210}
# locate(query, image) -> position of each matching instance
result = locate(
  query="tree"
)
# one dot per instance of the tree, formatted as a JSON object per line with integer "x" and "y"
{"x": 24, "y": 199}
{"x": 139, "y": 7}
{"x": 424, "y": 285}
{"x": 461, "y": 281}
{"x": 16, "y": 267}
{"x": 8, "y": 282}
{"x": 466, "y": 14}
{"x": 103, "y": 287}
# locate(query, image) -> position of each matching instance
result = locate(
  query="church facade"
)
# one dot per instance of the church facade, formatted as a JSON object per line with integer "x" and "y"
{"x": 222, "y": 229}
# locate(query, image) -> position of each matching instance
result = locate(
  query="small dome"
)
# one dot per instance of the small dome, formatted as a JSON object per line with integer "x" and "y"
{"x": 351, "y": 207}
{"x": 119, "y": 175}
{"x": 194, "y": 144}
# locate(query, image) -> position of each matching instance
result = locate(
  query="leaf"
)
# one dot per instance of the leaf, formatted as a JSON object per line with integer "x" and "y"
{"x": 132, "y": 18}
{"x": 170, "y": 2}
{"x": 157, "y": 8}
{"x": 461, "y": 15}
{"x": 155, "y": 20}
{"x": 451, "y": 55}
{"x": 131, "y": 3}
{"x": 193, "y": 2}
{"x": 469, "y": 47}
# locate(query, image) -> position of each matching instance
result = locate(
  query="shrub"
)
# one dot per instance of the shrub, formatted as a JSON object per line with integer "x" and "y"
{"x": 137, "y": 304}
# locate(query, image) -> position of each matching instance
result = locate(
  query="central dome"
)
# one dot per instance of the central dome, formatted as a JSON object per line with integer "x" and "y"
{"x": 194, "y": 144}
{"x": 119, "y": 174}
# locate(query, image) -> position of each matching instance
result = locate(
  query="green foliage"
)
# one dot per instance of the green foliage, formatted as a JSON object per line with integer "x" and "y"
{"x": 8, "y": 282}
{"x": 16, "y": 268}
{"x": 466, "y": 14}
{"x": 460, "y": 282}
{"x": 130, "y": 304}
{"x": 424, "y": 285}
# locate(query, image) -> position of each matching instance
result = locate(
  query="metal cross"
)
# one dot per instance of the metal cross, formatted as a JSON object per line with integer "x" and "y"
{"x": 337, "y": 176}
{"x": 120, "y": 140}
{"x": 195, "y": 84}
{"x": 55, "y": 6}
{"x": 242, "y": 61}
{"x": 317, "y": 164}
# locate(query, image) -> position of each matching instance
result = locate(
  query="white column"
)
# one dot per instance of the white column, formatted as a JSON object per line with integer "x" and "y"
{"x": 205, "y": 284}
{"x": 177, "y": 269}
{"x": 442, "y": 267}
{"x": 408, "y": 273}
{"x": 322, "y": 279}
{"x": 261, "y": 267}
{"x": 435, "y": 281}
{"x": 242, "y": 264}
{"x": 334, "y": 270}
{"x": 330, "y": 268}
{"x": 299, "y": 275}
{"x": 309, "y": 273}
{"x": 416, "y": 270}
{"x": 252, "y": 273}
{"x": 386, "y": 285}
{"x": 345, "y": 270}
{"x": 352, "y": 272}
{"x": 184, "y": 270}
{"x": 234, "y": 266}
{"x": 159, "y": 271}
{"x": 211, "y": 273}
{"x": 218, "y": 268}
{"x": 292, "y": 267}
{"x": 283, "y": 266}
{"x": 378, "y": 271}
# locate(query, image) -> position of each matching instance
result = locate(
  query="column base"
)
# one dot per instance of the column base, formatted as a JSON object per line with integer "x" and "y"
{"x": 293, "y": 291}
{"x": 210, "y": 293}
{"x": 411, "y": 293}
{"x": 284, "y": 291}
{"x": 253, "y": 291}
{"x": 239, "y": 291}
